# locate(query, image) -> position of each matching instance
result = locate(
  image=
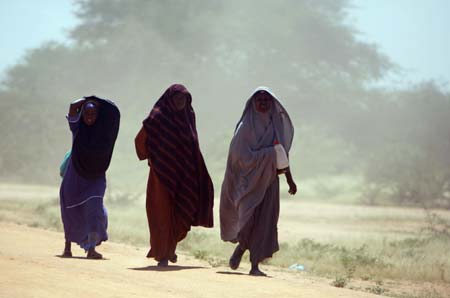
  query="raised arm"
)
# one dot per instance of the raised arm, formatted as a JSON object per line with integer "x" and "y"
{"x": 75, "y": 106}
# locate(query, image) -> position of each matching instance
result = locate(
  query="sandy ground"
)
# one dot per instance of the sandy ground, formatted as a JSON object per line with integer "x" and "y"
{"x": 30, "y": 267}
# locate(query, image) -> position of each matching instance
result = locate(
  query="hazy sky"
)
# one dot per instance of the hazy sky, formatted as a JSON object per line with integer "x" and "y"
{"x": 25, "y": 24}
{"x": 414, "y": 33}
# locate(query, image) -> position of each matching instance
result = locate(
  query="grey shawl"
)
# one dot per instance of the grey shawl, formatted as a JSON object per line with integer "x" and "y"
{"x": 251, "y": 165}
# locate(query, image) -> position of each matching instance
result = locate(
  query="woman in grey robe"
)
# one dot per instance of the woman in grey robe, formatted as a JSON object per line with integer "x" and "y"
{"x": 250, "y": 198}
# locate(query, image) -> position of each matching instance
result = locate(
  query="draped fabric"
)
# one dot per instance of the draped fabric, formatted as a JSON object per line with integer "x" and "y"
{"x": 93, "y": 145}
{"x": 81, "y": 200}
{"x": 165, "y": 225}
{"x": 278, "y": 115}
{"x": 251, "y": 166}
{"x": 260, "y": 233}
{"x": 175, "y": 157}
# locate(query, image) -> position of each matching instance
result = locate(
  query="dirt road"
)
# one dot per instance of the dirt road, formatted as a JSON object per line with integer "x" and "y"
{"x": 29, "y": 267}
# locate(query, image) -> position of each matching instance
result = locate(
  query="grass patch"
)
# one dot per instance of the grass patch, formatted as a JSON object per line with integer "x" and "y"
{"x": 340, "y": 282}
{"x": 344, "y": 242}
{"x": 422, "y": 294}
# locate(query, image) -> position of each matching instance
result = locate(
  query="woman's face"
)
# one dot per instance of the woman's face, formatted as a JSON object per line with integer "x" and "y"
{"x": 179, "y": 101}
{"x": 263, "y": 101}
{"x": 89, "y": 113}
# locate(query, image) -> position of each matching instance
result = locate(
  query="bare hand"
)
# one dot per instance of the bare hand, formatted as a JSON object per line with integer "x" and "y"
{"x": 292, "y": 187}
{"x": 75, "y": 106}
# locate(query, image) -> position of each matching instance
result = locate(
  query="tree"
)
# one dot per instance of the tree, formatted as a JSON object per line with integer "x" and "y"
{"x": 130, "y": 51}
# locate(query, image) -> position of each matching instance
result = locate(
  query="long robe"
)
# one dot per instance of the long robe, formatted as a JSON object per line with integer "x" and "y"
{"x": 165, "y": 229}
{"x": 249, "y": 201}
{"x": 180, "y": 192}
{"x": 84, "y": 183}
{"x": 81, "y": 201}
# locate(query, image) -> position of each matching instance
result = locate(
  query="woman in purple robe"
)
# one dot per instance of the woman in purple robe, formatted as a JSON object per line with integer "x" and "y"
{"x": 94, "y": 123}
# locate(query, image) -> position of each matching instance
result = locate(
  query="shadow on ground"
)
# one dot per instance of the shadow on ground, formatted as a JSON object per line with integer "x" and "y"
{"x": 239, "y": 273}
{"x": 80, "y": 258}
{"x": 168, "y": 268}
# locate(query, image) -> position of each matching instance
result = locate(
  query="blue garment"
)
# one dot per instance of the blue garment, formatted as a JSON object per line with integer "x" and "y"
{"x": 84, "y": 217}
{"x": 65, "y": 161}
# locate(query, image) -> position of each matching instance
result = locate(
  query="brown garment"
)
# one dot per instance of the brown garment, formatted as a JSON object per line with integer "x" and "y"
{"x": 165, "y": 229}
{"x": 174, "y": 152}
{"x": 139, "y": 143}
{"x": 260, "y": 234}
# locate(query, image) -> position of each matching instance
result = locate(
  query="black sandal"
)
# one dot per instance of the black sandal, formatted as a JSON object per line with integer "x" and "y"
{"x": 174, "y": 258}
{"x": 256, "y": 272}
{"x": 236, "y": 257}
{"x": 67, "y": 253}
{"x": 163, "y": 263}
{"x": 93, "y": 255}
